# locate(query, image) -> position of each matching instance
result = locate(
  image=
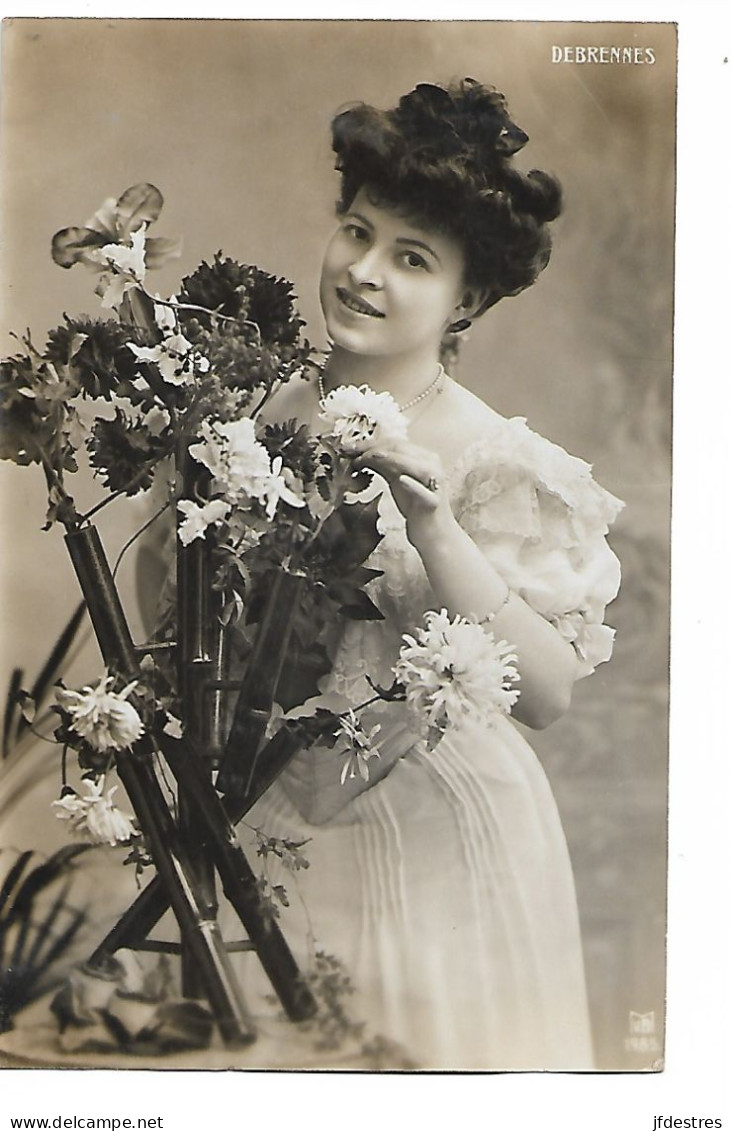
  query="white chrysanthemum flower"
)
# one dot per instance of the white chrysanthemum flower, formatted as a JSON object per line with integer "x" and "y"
{"x": 241, "y": 466}
{"x": 198, "y": 517}
{"x": 95, "y": 818}
{"x": 104, "y": 718}
{"x": 356, "y": 418}
{"x": 359, "y": 746}
{"x": 451, "y": 669}
{"x": 232, "y": 454}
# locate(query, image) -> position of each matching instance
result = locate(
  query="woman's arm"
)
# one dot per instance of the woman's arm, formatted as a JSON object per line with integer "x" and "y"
{"x": 463, "y": 581}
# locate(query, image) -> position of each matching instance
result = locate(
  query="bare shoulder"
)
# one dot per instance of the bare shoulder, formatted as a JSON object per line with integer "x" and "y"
{"x": 458, "y": 418}
{"x": 295, "y": 400}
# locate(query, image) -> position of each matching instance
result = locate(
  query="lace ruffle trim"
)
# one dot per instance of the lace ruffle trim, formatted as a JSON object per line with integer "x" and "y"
{"x": 514, "y": 481}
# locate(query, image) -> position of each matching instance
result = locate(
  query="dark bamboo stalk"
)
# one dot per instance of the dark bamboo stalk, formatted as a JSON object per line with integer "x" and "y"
{"x": 152, "y": 902}
{"x": 254, "y": 704}
{"x": 215, "y": 738}
{"x": 239, "y": 881}
{"x": 136, "y": 923}
{"x": 199, "y": 933}
{"x": 193, "y": 670}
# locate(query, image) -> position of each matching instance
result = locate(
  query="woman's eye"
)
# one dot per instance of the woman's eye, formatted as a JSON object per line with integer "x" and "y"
{"x": 356, "y": 232}
{"x": 414, "y": 259}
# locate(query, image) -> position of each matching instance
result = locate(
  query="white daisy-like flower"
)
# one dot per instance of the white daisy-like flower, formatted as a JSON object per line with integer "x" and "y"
{"x": 128, "y": 259}
{"x": 359, "y": 746}
{"x": 164, "y": 315}
{"x": 452, "y": 669}
{"x": 175, "y": 358}
{"x": 198, "y": 517}
{"x": 95, "y": 817}
{"x": 233, "y": 454}
{"x": 354, "y": 418}
{"x": 121, "y": 267}
{"x": 104, "y": 718}
{"x": 278, "y": 486}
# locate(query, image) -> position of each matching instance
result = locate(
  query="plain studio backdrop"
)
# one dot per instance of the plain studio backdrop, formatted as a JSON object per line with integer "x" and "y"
{"x": 231, "y": 121}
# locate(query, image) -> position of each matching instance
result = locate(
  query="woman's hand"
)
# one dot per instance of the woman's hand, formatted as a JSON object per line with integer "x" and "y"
{"x": 416, "y": 478}
{"x": 464, "y": 581}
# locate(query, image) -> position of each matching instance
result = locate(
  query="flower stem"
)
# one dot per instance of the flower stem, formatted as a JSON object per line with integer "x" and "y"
{"x": 173, "y": 305}
{"x": 43, "y": 737}
{"x": 268, "y": 393}
{"x": 130, "y": 541}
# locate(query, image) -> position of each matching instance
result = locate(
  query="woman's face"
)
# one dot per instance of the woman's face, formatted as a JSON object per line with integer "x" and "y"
{"x": 387, "y": 286}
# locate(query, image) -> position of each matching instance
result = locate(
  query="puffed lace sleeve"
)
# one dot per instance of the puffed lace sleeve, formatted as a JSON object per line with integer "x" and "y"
{"x": 542, "y": 520}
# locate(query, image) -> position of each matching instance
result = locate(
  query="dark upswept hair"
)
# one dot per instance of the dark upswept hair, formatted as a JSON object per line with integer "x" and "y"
{"x": 443, "y": 156}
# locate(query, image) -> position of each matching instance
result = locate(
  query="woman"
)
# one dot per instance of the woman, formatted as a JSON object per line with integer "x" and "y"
{"x": 444, "y": 884}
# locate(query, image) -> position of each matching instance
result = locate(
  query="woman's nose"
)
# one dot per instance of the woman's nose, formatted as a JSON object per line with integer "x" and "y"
{"x": 365, "y": 270}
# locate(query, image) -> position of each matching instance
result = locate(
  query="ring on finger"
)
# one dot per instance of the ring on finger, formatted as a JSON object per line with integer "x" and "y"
{"x": 432, "y": 483}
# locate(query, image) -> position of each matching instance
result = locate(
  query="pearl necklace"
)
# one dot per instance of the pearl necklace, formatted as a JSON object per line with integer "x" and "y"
{"x": 431, "y": 388}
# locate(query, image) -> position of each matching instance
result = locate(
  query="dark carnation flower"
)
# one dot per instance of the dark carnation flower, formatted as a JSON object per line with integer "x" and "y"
{"x": 125, "y": 453}
{"x": 219, "y": 286}
{"x": 271, "y": 304}
{"x": 246, "y": 293}
{"x": 101, "y": 364}
{"x": 292, "y": 441}
{"x": 257, "y": 342}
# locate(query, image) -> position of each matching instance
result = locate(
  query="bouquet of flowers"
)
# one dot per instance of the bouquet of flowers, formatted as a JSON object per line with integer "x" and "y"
{"x": 174, "y": 387}
{"x": 182, "y": 381}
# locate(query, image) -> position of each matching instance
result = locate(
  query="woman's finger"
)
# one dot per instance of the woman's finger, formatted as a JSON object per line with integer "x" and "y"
{"x": 419, "y": 490}
{"x": 416, "y": 464}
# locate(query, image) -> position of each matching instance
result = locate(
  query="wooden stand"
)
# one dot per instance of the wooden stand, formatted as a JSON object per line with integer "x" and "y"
{"x": 201, "y": 847}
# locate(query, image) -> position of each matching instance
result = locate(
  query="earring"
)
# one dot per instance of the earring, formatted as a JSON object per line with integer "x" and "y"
{"x": 460, "y": 325}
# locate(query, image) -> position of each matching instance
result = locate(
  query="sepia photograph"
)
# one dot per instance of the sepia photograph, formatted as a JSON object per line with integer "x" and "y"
{"x": 336, "y": 394}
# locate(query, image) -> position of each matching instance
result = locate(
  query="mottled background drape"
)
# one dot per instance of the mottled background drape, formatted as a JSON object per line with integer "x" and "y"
{"x": 230, "y": 121}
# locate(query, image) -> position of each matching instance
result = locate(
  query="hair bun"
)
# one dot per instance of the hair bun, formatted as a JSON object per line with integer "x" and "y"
{"x": 475, "y": 116}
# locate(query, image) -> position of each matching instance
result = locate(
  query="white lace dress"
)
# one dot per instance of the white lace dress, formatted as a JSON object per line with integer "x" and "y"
{"x": 446, "y": 888}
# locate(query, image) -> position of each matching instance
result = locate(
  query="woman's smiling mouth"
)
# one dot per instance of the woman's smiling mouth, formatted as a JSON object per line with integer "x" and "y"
{"x": 358, "y": 305}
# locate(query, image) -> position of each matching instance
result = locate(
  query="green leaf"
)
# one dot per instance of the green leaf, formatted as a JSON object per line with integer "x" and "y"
{"x": 360, "y": 522}
{"x": 35, "y": 881}
{"x": 26, "y": 971}
{"x": 11, "y": 880}
{"x": 359, "y": 606}
{"x": 11, "y": 707}
{"x": 301, "y": 673}
{"x": 347, "y": 538}
{"x": 321, "y": 727}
